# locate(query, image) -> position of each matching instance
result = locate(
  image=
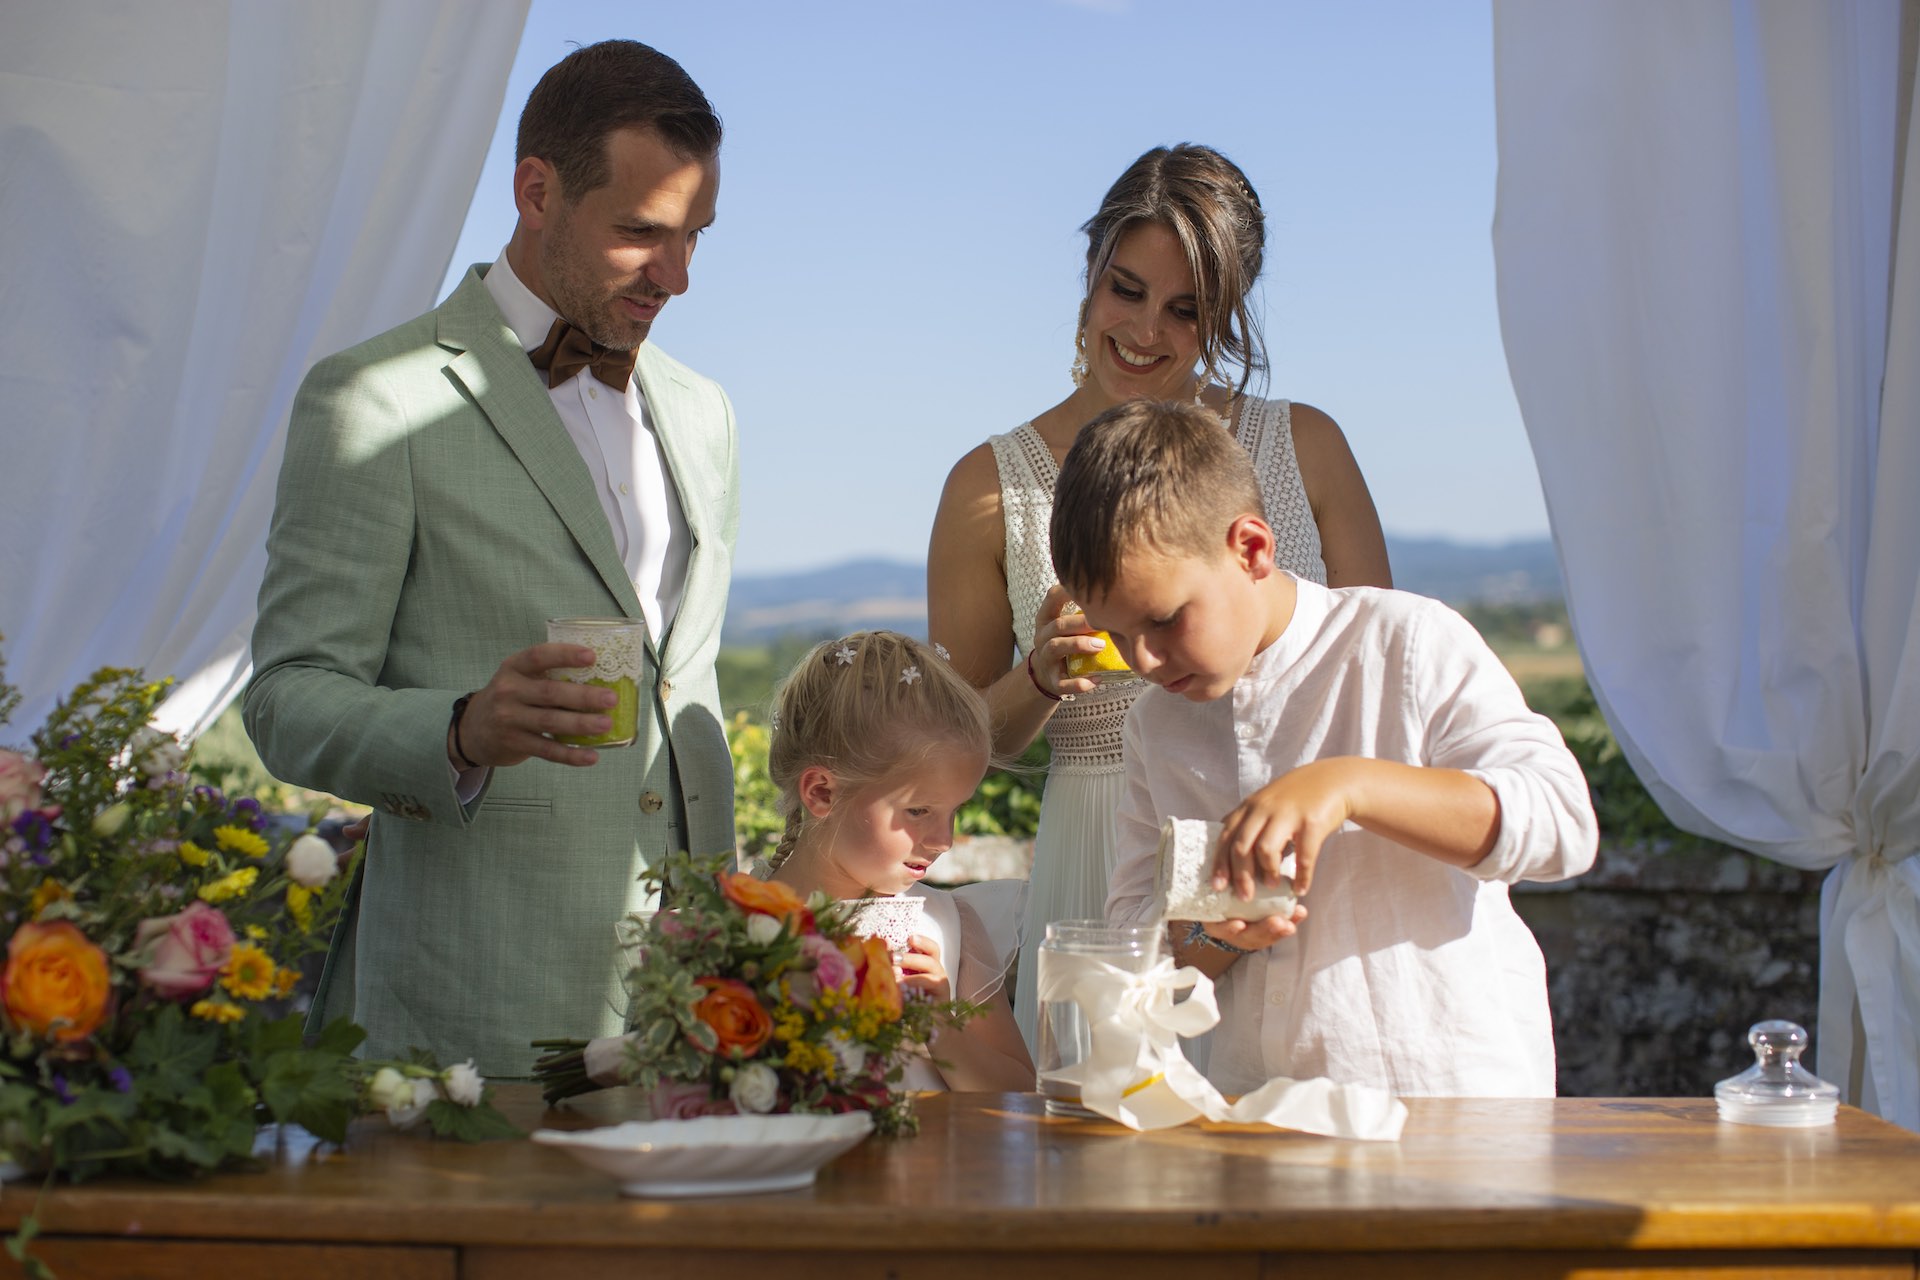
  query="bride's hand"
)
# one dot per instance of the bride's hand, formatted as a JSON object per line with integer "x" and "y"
{"x": 1060, "y": 631}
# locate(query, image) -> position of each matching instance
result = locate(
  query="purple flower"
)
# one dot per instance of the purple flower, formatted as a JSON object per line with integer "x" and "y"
{"x": 66, "y": 743}
{"x": 210, "y": 796}
{"x": 61, "y": 1091}
{"x": 246, "y": 809}
{"x": 122, "y": 1079}
{"x": 35, "y": 828}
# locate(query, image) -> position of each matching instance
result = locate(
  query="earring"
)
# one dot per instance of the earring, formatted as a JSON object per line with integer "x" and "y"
{"x": 1078, "y": 369}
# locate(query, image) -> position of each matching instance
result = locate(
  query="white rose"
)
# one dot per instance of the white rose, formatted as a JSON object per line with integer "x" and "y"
{"x": 852, "y": 1057}
{"x": 755, "y": 1088}
{"x": 311, "y": 861}
{"x": 388, "y": 1088}
{"x": 464, "y": 1083}
{"x": 158, "y": 754}
{"x": 762, "y": 929}
{"x": 422, "y": 1091}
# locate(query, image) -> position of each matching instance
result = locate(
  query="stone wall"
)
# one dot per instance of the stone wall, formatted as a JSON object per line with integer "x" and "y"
{"x": 1657, "y": 961}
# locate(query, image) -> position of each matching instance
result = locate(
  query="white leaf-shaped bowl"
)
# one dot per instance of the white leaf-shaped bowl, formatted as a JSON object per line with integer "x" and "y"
{"x": 713, "y": 1155}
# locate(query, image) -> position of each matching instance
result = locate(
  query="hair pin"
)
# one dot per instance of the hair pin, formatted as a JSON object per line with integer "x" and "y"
{"x": 845, "y": 654}
{"x": 910, "y": 675}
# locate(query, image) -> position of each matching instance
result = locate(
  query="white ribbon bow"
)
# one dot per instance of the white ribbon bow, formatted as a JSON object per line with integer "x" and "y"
{"x": 1137, "y": 1074}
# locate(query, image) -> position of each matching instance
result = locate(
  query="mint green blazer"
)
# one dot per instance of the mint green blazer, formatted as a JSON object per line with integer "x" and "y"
{"x": 432, "y": 514}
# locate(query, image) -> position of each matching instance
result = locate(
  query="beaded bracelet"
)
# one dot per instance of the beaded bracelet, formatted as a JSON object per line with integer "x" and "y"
{"x": 1046, "y": 693}
{"x": 1197, "y": 933}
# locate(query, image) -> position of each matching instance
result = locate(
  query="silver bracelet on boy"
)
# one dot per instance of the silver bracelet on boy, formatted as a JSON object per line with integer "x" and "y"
{"x": 1197, "y": 933}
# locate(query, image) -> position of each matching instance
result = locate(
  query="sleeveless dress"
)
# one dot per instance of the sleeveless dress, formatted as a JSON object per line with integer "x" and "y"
{"x": 1073, "y": 853}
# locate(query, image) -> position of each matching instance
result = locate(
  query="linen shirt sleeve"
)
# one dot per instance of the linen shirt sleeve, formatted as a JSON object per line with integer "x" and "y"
{"x": 1133, "y": 893}
{"x": 1477, "y": 721}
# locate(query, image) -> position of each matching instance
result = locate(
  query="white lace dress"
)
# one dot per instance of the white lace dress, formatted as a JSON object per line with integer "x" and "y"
{"x": 1073, "y": 855}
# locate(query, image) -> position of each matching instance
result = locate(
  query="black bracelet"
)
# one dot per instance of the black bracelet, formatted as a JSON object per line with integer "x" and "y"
{"x": 459, "y": 751}
{"x": 1046, "y": 693}
{"x": 1197, "y": 933}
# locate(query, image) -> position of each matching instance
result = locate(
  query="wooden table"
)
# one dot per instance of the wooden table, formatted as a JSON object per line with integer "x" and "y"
{"x": 994, "y": 1190}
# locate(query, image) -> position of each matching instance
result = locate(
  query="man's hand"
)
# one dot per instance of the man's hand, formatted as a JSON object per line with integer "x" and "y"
{"x": 1300, "y": 808}
{"x": 509, "y": 718}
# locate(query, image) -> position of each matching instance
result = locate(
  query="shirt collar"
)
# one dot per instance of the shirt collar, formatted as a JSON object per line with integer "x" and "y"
{"x": 528, "y": 317}
{"x": 1311, "y": 603}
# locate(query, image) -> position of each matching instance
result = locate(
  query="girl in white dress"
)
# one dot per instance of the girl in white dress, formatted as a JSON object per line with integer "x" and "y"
{"x": 876, "y": 742}
{"x": 1172, "y": 254}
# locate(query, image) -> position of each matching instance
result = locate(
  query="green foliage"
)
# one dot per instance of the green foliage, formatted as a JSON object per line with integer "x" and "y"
{"x": 757, "y": 822}
{"x": 1626, "y": 811}
{"x": 1008, "y": 801}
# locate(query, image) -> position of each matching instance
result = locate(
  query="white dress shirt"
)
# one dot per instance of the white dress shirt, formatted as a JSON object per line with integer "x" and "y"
{"x": 1407, "y": 974}
{"x": 615, "y": 436}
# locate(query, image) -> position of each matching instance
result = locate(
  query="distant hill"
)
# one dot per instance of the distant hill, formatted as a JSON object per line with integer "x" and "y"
{"x": 867, "y": 594}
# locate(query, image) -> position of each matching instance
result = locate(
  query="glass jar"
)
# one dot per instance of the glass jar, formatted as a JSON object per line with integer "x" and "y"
{"x": 1065, "y": 1037}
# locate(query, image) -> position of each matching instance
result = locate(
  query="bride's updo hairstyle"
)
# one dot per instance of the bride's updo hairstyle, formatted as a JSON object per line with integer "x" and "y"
{"x": 867, "y": 707}
{"x": 1208, "y": 204}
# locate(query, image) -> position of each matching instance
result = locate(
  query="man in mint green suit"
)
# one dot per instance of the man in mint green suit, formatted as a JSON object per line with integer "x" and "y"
{"x": 448, "y": 487}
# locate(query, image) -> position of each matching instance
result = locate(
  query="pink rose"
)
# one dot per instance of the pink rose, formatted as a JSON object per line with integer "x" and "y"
{"x": 182, "y": 954}
{"x": 20, "y": 778}
{"x": 831, "y": 969}
{"x": 680, "y": 1100}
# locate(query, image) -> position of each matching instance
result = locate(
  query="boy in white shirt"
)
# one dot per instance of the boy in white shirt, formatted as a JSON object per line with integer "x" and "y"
{"x": 1371, "y": 732}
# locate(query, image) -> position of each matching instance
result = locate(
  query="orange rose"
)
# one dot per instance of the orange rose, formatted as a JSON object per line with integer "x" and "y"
{"x": 766, "y": 898}
{"x": 736, "y": 1016}
{"x": 875, "y": 986}
{"x": 56, "y": 982}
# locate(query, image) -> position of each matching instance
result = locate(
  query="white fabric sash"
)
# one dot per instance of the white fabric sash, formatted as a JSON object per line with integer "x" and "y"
{"x": 1138, "y": 1075}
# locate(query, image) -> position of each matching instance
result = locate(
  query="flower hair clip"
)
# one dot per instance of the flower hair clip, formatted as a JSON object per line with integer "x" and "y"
{"x": 942, "y": 651}
{"x": 909, "y": 675}
{"x": 845, "y": 654}
{"x": 773, "y": 721}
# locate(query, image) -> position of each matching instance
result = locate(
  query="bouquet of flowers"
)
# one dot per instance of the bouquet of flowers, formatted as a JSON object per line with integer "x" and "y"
{"x": 153, "y": 930}
{"x": 747, "y": 999}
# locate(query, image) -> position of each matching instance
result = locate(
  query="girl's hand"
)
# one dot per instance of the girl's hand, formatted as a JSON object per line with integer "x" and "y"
{"x": 920, "y": 969}
{"x": 1060, "y": 630}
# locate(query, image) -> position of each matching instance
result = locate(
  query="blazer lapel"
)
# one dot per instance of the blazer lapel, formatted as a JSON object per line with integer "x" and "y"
{"x": 496, "y": 372}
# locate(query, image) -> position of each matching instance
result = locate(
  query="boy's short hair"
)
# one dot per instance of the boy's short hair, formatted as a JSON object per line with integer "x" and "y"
{"x": 1164, "y": 475}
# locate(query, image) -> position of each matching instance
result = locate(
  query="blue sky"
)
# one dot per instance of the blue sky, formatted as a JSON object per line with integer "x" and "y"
{"x": 895, "y": 268}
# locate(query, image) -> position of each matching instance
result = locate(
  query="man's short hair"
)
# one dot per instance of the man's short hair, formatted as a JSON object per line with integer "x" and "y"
{"x": 594, "y": 91}
{"x": 1165, "y": 476}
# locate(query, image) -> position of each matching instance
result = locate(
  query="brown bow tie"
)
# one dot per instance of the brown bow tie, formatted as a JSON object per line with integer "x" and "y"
{"x": 568, "y": 350}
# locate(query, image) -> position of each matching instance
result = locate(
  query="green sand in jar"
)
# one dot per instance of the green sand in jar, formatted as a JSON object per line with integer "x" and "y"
{"x": 625, "y": 715}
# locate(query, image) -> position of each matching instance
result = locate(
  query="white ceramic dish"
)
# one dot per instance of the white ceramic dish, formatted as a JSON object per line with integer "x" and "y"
{"x": 713, "y": 1155}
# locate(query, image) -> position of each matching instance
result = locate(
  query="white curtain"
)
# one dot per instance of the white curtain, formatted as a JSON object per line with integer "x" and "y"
{"x": 1708, "y": 248}
{"x": 201, "y": 199}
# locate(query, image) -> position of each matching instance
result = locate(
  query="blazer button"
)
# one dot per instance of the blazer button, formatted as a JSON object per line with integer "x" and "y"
{"x": 666, "y": 690}
{"x": 651, "y": 802}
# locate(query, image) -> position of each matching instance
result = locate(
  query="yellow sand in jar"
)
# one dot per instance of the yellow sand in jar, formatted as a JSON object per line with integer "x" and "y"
{"x": 624, "y": 713}
{"x": 1094, "y": 666}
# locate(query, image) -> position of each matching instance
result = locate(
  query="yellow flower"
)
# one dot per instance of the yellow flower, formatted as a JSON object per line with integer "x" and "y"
{"x": 192, "y": 854}
{"x": 49, "y": 892}
{"x": 802, "y": 1056}
{"x": 248, "y": 972}
{"x": 231, "y": 885}
{"x": 285, "y": 981}
{"x": 255, "y": 932}
{"x": 240, "y": 840}
{"x": 217, "y": 1011}
{"x": 300, "y": 906}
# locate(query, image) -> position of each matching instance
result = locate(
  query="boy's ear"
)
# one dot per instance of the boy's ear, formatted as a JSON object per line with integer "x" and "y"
{"x": 1250, "y": 540}
{"x": 817, "y": 789}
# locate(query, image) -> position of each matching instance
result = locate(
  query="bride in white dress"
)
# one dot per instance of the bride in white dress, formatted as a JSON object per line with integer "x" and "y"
{"x": 1172, "y": 254}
